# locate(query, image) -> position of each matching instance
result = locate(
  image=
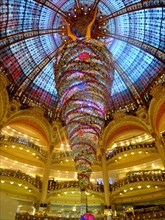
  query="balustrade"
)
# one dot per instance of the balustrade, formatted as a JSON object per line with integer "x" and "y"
{"x": 23, "y": 141}
{"x": 137, "y": 176}
{"x": 132, "y": 177}
{"x": 55, "y": 185}
{"x": 20, "y": 175}
{"x": 119, "y": 150}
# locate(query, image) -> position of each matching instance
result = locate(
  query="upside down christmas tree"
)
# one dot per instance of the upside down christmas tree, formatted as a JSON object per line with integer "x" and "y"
{"x": 83, "y": 74}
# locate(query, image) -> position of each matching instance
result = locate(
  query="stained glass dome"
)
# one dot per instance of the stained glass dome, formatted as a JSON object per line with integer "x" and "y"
{"x": 33, "y": 30}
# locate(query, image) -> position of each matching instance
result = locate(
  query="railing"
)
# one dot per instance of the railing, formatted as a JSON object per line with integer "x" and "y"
{"x": 62, "y": 154}
{"x": 23, "y": 141}
{"x": 54, "y": 185}
{"x": 156, "y": 215}
{"x": 137, "y": 176}
{"x": 119, "y": 150}
{"x": 143, "y": 216}
{"x": 35, "y": 217}
{"x": 132, "y": 177}
{"x": 19, "y": 175}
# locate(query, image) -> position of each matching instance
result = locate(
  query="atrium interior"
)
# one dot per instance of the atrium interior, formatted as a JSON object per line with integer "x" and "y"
{"x": 43, "y": 173}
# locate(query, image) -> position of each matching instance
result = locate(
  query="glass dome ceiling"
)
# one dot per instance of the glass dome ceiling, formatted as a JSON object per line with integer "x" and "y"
{"x": 32, "y": 31}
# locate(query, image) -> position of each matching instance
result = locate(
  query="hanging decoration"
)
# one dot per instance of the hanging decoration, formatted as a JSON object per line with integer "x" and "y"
{"x": 84, "y": 75}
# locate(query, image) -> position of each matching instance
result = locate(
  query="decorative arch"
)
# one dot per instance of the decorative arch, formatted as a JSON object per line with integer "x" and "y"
{"x": 123, "y": 125}
{"x": 157, "y": 109}
{"x": 32, "y": 119}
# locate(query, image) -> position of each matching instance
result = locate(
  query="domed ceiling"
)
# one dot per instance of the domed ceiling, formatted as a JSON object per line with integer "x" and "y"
{"x": 33, "y": 30}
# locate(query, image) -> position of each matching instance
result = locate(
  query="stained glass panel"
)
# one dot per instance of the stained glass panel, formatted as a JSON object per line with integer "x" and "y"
{"x": 137, "y": 44}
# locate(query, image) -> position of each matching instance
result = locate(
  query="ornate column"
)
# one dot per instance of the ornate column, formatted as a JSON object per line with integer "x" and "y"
{"x": 105, "y": 177}
{"x": 156, "y": 115}
{"x": 45, "y": 180}
{"x": 160, "y": 146}
{"x": 83, "y": 207}
{"x": 1, "y": 126}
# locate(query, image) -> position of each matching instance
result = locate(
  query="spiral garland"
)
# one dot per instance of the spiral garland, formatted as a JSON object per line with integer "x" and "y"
{"x": 83, "y": 75}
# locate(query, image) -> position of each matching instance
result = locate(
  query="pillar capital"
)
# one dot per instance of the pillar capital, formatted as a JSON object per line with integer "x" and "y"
{"x": 105, "y": 178}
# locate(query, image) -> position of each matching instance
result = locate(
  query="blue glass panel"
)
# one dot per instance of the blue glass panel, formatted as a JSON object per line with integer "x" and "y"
{"x": 35, "y": 49}
{"x": 115, "y": 5}
{"x": 122, "y": 25}
{"x": 120, "y": 99}
{"x": 130, "y": 2}
{"x": 57, "y": 40}
{"x": 15, "y": 16}
{"x": 3, "y": 19}
{"x": 162, "y": 32}
{"x": 117, "y": 48}
{"x": 134, "y": 61}
{"x": 111, "y": 26}
{"x": 45, "y": 79}
{"x": 153, "y": 19}
{"x": 47, "y": 17}
{"x": 23, "y": 56}
{"x": 47, "y": 42}
{"x": 31, "y": 16}
{"x": 149, "y": 74}
{"x": 15, "y": 70}
{"x": 118, "y": 84}
{"x": 140, "y": 68}
{"x": 137, "y": 25}
{"x": 59, "y": 3}
{"x": 106, "y": 10}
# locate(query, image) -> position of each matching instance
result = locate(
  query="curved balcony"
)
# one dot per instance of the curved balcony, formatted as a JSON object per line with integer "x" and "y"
{"x": 139, "y": 186}
{"x": 131, "y": 155}
{"x": 21, "y": 176}
{"x": 69, "y": 192}
{"x": 137, "y": 176}
{"x": 20, "y": 185}
{"x": 119, "y": 150}
{"x": 136, "y": 186}
{"x": 21, "y": 147}
{"x": 160, "y": 215}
